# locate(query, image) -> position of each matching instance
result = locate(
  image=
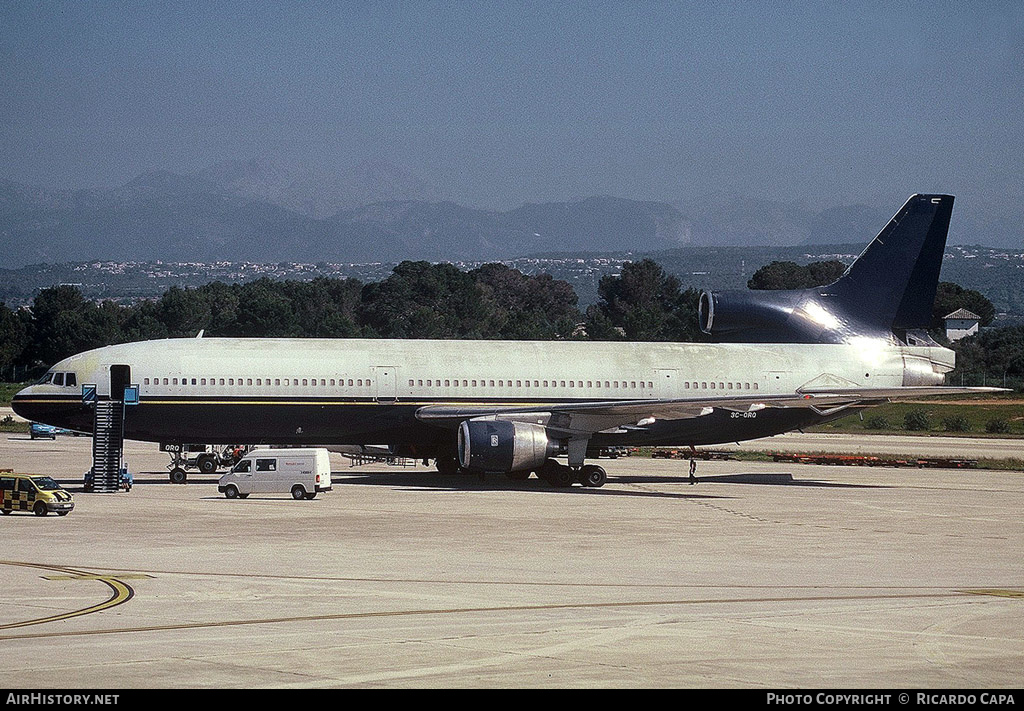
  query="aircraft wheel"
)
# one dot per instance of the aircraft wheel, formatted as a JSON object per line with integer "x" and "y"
{"x": 447, "y": 465}
{"x": 557, "y": 475}
{"x": 178, "y": 476}
{"x": 593, "y": 475}
{"x": 207, "y": 464}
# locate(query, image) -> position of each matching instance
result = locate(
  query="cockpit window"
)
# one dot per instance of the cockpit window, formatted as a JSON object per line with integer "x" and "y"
{"x": 62, "y": 379}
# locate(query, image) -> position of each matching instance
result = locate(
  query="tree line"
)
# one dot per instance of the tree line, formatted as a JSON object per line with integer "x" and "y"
{"x": 424, "y": 300}
{"x": 418, "y": 300}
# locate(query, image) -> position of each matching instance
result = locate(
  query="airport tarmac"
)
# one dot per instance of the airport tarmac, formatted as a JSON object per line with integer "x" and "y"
{"x": 906, "y": 445}
{"x": 761, "y": 575}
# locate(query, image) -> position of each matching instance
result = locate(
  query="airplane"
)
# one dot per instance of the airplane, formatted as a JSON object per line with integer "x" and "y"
{"x": 781, "y": 361}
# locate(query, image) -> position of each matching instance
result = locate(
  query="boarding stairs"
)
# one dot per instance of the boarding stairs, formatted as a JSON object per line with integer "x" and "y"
{"x": 107, "y": 445}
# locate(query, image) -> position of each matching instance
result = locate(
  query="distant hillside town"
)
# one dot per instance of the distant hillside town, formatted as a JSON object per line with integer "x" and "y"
{"x": 997, "y": 273}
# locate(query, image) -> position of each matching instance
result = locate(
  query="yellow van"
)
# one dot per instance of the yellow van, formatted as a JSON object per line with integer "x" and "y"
{"x": 33, "y": 492}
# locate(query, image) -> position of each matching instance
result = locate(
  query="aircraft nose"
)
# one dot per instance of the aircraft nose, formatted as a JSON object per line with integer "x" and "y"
{"x": 34, "y": 403}
{"x": 20, "y": 405}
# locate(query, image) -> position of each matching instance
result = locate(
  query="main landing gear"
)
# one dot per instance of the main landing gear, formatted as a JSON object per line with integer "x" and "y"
{"x": 554, "y": 473}
{"x": 561, "y": 476}
{"x": 448, "y": 465}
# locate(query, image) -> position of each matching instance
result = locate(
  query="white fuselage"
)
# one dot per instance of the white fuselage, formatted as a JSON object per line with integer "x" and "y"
{"x": 359, "y": 391}
{"x": 432, "y": 371}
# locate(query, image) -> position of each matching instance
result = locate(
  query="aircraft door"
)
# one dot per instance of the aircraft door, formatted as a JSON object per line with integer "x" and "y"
{"x": 120, "y": 378}
{"x": 779, "y": 381}
{"x": 386, "y": 382}
{"x": 667, "y": 383}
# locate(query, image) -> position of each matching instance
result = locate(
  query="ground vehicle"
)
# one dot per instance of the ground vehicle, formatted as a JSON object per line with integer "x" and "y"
{"x": 302, "y": 472}
{"x": 127, "y": 481}
{"x": 33, "y": 492}
{"x": 38, "y": 429}
{"x": 205, "y": 458}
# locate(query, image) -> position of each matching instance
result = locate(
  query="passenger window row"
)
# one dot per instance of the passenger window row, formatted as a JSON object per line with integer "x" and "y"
{"x": 489, "y": 383}
{"x": 705, "y": 385}
{"x": 69, "y": 379}
{"x": 262, "y": 382}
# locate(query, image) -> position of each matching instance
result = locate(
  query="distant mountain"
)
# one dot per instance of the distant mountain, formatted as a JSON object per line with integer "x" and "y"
{"x": 729, "y": 219}
{"x": 601, "y": 223}
{"x": 261, "y": 212}
{"x": 219, "y": 215}
{"x": 848, "y": 223}
{"x": 157, "y": 216}
{"x": 318, "y": 195}
{"x": 446, "y": 231}
{"x": 734, "y": 219}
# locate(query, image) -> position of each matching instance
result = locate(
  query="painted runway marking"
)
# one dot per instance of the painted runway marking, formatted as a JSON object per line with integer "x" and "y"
{"x": 121, "y": 592}
{"x": 995, "y": 592}
{"x": 477, "y": 610}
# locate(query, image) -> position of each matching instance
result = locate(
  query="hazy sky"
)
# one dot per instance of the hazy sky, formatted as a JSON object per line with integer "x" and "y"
{"x": 497, "y": 103}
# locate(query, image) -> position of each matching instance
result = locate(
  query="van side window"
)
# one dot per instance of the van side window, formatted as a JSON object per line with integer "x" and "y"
{"x": 266, "y": 465}
{"x": 6, "y": 483}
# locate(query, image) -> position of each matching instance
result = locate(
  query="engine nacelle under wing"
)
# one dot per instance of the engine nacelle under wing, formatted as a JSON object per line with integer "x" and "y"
{"x": 503, "y": 446}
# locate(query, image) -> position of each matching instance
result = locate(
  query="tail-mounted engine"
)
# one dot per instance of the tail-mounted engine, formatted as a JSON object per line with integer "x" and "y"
{"x": 753, "y": 316}
{"x": 798, "y": 316}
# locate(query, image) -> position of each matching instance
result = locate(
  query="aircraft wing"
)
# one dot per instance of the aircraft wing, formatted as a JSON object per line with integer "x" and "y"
{"x": 583, "y": 418}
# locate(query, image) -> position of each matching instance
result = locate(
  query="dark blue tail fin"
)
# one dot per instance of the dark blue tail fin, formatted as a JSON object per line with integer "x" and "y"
{"x": 892, "y": 283}
{"x": 887, "y": 292}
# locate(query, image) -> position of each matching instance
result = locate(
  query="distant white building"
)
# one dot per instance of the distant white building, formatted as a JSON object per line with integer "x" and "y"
{"x": 961, "y": 323}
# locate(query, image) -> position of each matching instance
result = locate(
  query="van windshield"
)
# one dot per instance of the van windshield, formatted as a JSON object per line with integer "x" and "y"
{"x": 45, "y": 483}
{"x": 243, "y": 466}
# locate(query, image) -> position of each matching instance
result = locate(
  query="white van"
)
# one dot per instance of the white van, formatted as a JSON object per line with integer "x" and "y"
{"x": 302, "y": 472}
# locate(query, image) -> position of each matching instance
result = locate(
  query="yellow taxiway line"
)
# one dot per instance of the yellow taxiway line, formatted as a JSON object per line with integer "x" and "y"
{"x": 121, "y": 592}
